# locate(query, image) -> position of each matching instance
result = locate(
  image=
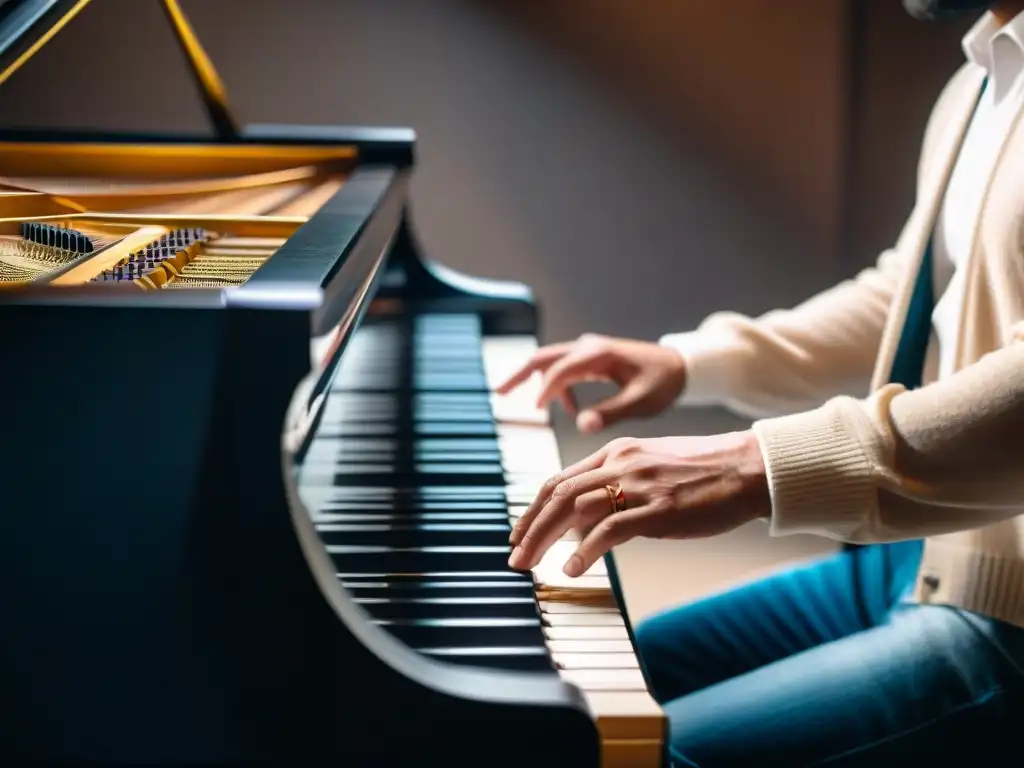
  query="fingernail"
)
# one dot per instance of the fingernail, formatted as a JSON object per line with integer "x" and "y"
{"x": 573, "y": 567}
{"x": 515, "y": 557}
{"x": 588, "y": 421}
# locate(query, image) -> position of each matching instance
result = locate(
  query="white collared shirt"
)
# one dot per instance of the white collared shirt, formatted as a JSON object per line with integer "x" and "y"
{"x": 1000, "y": 51}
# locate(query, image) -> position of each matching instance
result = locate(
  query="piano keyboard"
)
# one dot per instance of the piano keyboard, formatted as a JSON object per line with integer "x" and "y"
{"x": 413, "y": 479}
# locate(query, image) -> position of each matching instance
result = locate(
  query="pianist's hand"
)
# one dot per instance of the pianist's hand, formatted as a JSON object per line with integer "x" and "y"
{"x": 674, "y": 487}
{"x": 650, "y": 377}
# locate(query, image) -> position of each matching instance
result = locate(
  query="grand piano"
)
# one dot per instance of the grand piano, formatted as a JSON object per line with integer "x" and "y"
{"x": 255, "y": 484}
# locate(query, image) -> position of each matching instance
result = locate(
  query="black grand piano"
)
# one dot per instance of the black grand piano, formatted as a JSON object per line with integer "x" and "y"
{"x": 255, "y": 494}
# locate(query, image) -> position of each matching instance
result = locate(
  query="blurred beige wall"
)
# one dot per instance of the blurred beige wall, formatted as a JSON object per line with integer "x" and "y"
{"x": 761, "y": 84}
{"x": 818, "y": 104}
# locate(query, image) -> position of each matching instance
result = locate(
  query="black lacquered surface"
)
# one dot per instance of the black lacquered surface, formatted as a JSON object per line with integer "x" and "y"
{"x": 405, "y": 482}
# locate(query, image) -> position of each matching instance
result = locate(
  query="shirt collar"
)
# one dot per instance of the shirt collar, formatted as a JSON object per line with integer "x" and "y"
{"x": 999, "y": 50}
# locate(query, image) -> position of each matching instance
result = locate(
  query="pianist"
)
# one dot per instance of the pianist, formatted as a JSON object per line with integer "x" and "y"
{"x": 888, "y": 411}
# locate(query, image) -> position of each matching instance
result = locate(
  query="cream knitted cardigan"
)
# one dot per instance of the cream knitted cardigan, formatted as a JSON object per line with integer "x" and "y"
{"x": 856, "y": 459}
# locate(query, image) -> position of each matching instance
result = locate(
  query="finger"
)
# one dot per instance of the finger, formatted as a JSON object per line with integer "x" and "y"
{"x": 613, "y": 530}
{"x": 540, "y": 361}
{"x": 556, "y": 516}
{"x": 590, "y": 463}
{"x": 621, "y": 405}
{"x": 572, "y": 369}
{"x": 587, "y": 511}
{"x": 568, "y": 401}
{"x": 591, "y": 508}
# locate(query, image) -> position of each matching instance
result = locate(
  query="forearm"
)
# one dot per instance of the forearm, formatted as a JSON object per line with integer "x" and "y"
{"x": 902, "y": 464}
{"x": 791, "y": 360}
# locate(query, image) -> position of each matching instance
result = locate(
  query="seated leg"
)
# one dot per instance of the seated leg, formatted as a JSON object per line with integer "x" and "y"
{"x": 689, "y": 648}
{"x": 931, "y": 681}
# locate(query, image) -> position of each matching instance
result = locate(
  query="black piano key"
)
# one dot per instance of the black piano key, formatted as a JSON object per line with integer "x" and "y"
{"x": 406, "y": 488}
{"x": 405, "y": 479}
{"x": 444, "y": 607}
{"x": 433, "y": 633}
{"x": 440, "y": 587}
{"x": 513, "y": 659}
{"x": 409, "y": 536}
{"x": 436, "y": 511}
{"x": 409, "y": 495}
{"x": 465, "y": 502}
{"x": 333, "y": 417}
{"x": 416, "y": 431}
{"x": 384, "y": 559}
{"x": 409, "y": 518}
{"x": 465, "y": 578}
{"x": 419, "y": 469}
{"x": 321, "y": 461}
{"x": 389, "y": 445}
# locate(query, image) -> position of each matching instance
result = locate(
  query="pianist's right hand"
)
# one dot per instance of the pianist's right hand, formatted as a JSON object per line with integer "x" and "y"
{"x": 650, "y": 377}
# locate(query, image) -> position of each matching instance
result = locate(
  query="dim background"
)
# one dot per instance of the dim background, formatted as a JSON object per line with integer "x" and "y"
{"x": 637, "y": 163}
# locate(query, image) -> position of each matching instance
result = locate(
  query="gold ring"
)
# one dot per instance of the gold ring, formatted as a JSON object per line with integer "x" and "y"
{"x": 616, "y": 498}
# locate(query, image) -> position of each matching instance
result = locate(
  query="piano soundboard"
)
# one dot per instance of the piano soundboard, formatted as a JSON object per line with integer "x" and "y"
{"x": 259, "y": 484}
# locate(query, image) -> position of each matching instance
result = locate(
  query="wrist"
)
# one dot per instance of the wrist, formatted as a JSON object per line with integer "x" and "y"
{"x": 677, "y": 373}
{"x": 752, "y": 472}
{"x": 713, "y": 361}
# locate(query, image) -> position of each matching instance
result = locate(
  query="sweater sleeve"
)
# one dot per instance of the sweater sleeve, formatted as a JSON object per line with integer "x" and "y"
{"x": 791, "y": 360}
{"x": 903, "y": 464}
{"x": 788, "y": 361}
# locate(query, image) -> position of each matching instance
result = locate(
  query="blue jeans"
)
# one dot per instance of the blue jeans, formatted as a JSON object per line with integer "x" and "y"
{"x": 825, "y": 664}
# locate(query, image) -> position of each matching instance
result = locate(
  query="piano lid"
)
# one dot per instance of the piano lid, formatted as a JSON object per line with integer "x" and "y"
{"x": 27, "y": 25}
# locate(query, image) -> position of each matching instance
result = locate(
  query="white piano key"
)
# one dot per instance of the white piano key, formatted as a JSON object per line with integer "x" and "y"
{"x": 611, "y": 632}
{"x": 596, "y": 660}
{"x": 548, "y": 572}
{"x": 584, "y": 620}
{"x": 554, "y": 606}
{"x": 559, "y": 581}
{"x": 503, "y": 356}
{"x": 590, "y": 646}
{"x": 605, "y": 679}
{"x": 626, "y": 714}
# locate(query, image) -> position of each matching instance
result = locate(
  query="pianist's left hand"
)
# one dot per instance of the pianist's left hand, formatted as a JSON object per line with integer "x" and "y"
{"x": 668, "y": 487}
